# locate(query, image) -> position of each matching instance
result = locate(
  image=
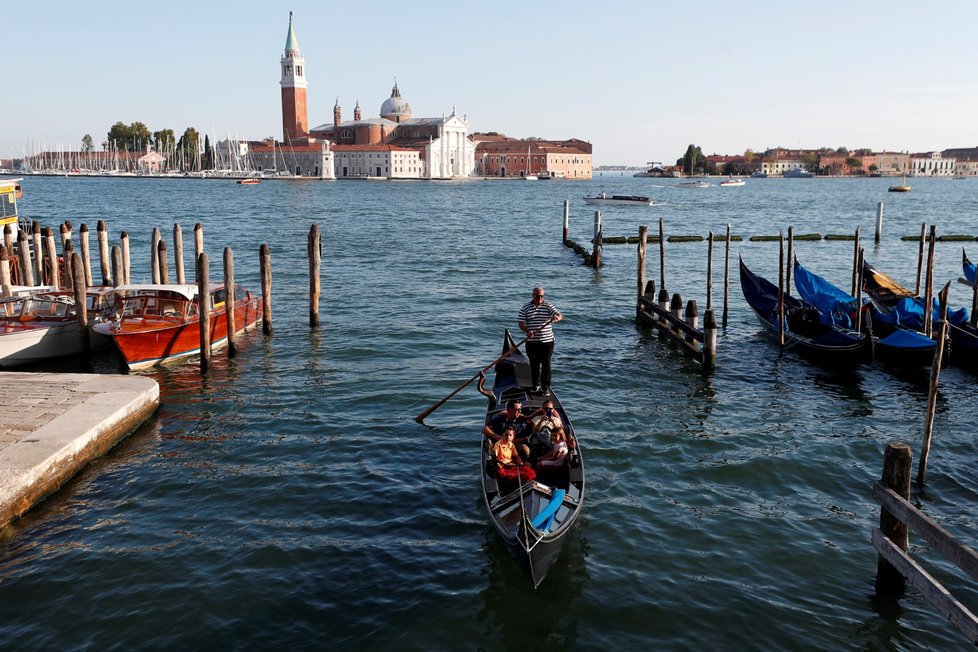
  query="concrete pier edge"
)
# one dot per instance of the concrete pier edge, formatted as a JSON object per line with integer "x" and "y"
{"x": 52, "y": 425}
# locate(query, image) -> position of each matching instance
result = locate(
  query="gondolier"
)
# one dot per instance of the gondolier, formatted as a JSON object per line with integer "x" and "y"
{"x": 536, "y": 319}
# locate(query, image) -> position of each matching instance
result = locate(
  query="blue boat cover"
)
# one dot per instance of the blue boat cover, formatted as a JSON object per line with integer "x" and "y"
{"x": 545, "y": 517}
{"x": 909, "y": 313}
{"x": 834, "y": 305}
{"x": 906, "y": 339}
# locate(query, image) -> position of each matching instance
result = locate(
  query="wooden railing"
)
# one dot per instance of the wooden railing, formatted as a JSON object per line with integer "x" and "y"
{"x": 895, "y": 567}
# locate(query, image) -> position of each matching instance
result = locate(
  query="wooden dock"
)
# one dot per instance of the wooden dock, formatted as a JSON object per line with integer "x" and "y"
{"x": 53, "y": 424}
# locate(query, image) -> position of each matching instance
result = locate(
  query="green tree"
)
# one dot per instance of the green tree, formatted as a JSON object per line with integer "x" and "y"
{"x": 208, "y": 161}
{"x": 87, "y": 144}
{"x": 692, "y": 160}
{"x": 854, "y": 162}
{"x": 811, "y": 162}
{"x": 842, "y": 150}
{"x": 119, "y": 136}
{"x": 873, "y": 168}
{"x": 187, "y": 148}
{"x": 749, "y": 156}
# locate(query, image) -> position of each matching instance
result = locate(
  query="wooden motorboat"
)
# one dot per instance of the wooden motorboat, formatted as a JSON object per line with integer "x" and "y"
{"x": 249, "y": 182}
{"x": 693, "y": 184}
{"x": 603, "y": 199}
{"x": 153, "y": 325}
{"x": 535, "y": 517}
{"x": 37, "y": 325}
{"x": 732, "y": 183}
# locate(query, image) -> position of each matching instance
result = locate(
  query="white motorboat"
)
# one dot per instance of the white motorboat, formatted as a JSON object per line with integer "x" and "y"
{"x": 693, "y": 184}
{"x": 602, "y": 198}
{"x": 798, "y": 173}
{"x": 731, "y": 183}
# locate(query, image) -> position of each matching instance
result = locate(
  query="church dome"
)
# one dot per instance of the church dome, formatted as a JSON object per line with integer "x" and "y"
{"x": 394, "y": 107}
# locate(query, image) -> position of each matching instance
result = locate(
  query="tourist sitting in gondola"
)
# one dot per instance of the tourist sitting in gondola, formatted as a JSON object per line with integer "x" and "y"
{"x": 511, "y": 417}
{"x": 557, "y": 456}
{"x": 545, "y": 420}
{"x": 511, "y": 466}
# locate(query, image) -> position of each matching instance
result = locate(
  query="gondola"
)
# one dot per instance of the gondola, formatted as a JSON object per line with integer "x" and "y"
{"x": 890, "y": 341}
{"x": 968, "y": 269}
{"x": 817, "y": 338}
{"x": 535, "y": 517}
{"x": 907, "y": 309}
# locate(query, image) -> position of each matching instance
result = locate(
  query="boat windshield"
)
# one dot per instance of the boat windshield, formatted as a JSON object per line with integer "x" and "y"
{"x": 151, "y": 306}
{"x": 11, "y": 308}
{"x": 49, "y": 308}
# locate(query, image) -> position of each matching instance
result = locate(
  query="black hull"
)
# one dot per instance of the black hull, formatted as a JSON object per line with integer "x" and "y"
{"x": 818, "y": 343}
{"x": 509, "y": 504}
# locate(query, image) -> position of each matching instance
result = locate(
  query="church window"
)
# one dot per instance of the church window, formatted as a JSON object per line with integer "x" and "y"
{"x": 298, "y": 70}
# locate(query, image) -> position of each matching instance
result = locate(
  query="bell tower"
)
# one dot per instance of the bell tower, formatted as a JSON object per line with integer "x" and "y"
{"x": 295, "y": 114}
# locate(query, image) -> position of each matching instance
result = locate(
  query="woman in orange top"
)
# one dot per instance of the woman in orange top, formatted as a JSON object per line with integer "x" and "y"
{"x": 510, "y": 464}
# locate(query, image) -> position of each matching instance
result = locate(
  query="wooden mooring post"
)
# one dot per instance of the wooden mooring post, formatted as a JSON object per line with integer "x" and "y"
{"x": 86, "y": 254}
{"x": 789, "y": 267}
{"x": 929, "y": 284}
{"x": 315, "y": 251}
{"x": 643, "y": 245}
{"x": 935, "y": 377}
{"x": 36, "y": 236}
{"x": 155, "y": 256}
{"x": 26, "y": 264}
{"x": 596, "y": 241}
{"x": 879, "y": 223}
{"x": 781, "y": 291}
{"x": 105, "y": 262}
{"x": 896, "y": 477}
{"x": 920, "y": 257}
{"x": 855, "y": 263}
{"x": 81, "y": 303}
{"x": 5, "y": 285}
{"x": 265, "y": 268}
{"x": 566, "y": 221}
{"x": 178, "y": 254}
{"x": 126, "y": 261}
{"x": 52, "y": 254}
{"x": 204, "y": 310}
{"x": 115, "y": 280}
{"x": 229, "y": 302}
{"x": 161, "y": 260}
{"x": 895, "y": 567}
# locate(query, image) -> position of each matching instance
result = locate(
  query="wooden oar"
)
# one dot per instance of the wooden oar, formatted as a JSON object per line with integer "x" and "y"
{"x": 421, "y": 417}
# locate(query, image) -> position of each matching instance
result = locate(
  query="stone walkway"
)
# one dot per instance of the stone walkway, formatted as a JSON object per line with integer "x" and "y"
{"x": 52, "y": 425}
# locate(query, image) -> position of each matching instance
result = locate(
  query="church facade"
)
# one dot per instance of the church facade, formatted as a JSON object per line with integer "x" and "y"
{"x": 394, "y": 145}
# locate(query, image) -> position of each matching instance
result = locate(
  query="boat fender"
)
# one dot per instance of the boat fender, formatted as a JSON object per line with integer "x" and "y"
{"x": 543, "y": 519}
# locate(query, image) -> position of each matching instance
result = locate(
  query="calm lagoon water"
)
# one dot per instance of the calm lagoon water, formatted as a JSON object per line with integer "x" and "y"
{"x": 288, "y": 499}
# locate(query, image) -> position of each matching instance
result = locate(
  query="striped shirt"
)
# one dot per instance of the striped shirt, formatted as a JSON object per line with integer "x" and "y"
{"x": 535, "y": 317}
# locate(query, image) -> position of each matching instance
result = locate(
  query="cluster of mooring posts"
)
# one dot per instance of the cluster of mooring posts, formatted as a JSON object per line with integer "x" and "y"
{"x": 599, "y": 239}
{"x": 895, "y": 567}
{"x": 33, "y": 261}
{"x": 668, "y": 316}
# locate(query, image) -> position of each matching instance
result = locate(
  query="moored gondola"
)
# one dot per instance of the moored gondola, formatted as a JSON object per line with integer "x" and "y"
{"x": 533, "y": 518}
{"x": 907, "y": 309}
{"x": 890, "y": 342}
{"x": 819, "y": 339}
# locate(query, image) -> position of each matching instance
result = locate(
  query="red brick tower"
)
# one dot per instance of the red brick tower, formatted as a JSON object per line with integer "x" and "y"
{"x": 295, "y": 114}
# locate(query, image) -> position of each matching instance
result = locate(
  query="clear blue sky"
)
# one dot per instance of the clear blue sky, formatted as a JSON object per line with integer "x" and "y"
{"x": 640, "y": 80}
